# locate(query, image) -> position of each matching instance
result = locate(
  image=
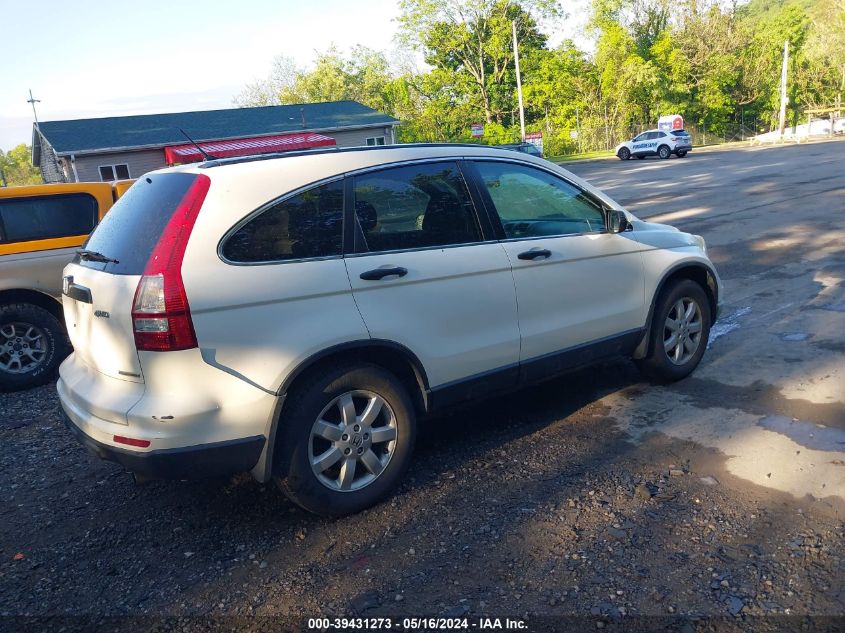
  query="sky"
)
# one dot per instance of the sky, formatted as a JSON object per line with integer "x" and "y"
{"x": 84, "y": 59}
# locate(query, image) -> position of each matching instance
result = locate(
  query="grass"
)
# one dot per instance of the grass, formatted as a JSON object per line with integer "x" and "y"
{"x": 605, "y": 153}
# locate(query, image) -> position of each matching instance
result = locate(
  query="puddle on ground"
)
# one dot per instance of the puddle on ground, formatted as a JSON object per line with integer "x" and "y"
{"x": 795, "y": 336}
{"x": 726, "y": 325}
{"x": 807, "y": 434}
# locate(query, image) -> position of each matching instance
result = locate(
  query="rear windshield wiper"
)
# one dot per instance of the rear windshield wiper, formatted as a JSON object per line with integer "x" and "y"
{"x": 94, "y": 256}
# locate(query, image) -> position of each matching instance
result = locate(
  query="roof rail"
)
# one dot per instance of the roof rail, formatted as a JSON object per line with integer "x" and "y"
{"x": 219, "y": 162}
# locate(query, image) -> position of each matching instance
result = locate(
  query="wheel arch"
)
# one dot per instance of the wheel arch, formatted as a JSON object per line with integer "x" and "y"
{"x": 696, "y": 271}
{"x": 392, "y": 356}
{"x": 33, "y": 297}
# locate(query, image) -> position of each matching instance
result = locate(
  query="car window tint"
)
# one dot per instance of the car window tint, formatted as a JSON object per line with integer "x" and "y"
{"x": 44, "y": 217}
{"x": 418, "y": 206}
{"x": 532, "y": 202}
{"x": 131, "y": 229}
{"x": 309, "y": 224}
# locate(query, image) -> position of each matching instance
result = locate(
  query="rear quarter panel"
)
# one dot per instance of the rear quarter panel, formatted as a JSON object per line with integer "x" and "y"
{"x": 259, "y": 322}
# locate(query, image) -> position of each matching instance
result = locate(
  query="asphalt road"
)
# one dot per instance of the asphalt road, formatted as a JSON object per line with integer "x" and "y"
{"x": 774, "y": 221}
{"x": 597, "y": 500}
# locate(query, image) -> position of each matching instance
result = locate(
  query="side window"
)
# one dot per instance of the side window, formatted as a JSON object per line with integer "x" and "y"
{"x": 309, "y": 224}
{"x": 415, "y": 207}
{"x": 114, "y": 172}
{"x": 45, "y": 217}
{"x": 533, "y": 203}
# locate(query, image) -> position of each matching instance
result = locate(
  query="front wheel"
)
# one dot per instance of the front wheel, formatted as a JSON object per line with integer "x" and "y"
{"x": 345, "y": 440}
{"x": 664, "y": 152}
{"x": 680, "y": 329}
{"x": 32, "y": 344}
{"x": 624, "y": 153}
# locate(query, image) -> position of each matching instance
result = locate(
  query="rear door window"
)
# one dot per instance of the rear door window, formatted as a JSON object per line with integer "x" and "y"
{"x": 45, "y": 217}
{"x": 305, "y": 226}
{"x": 418, "y": 206}
{"x": 133, "y": 226}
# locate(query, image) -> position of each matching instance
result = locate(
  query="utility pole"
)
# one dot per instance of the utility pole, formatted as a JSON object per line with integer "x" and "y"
{"x": 518, "y": 82}
{"x": 783, "y": 97}
{"x": 32, "y": 101}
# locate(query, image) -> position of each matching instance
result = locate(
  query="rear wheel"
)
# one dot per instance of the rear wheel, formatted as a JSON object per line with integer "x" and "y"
{"x": 624, "y": 153}
{"x": 32, "y": 344}
{"x": 346, "y": 440}
{"x": 664, "y": 152}
{"x": 680, "y": 329}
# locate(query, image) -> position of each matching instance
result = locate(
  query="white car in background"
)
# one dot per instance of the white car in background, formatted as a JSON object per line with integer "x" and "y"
{"x": 656, "y": 143}
{"x": 295, "y": 315}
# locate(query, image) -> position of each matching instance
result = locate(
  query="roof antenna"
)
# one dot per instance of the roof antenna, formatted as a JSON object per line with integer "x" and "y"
{"x": 205, "y": 154}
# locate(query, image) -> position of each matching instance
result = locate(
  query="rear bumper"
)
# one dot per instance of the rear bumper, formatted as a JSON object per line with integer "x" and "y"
{"x": 189, "y": 462}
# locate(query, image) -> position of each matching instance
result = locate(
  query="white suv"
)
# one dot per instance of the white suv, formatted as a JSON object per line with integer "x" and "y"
{"x": 295, "y": 315}
{"x": 662, "y": 143}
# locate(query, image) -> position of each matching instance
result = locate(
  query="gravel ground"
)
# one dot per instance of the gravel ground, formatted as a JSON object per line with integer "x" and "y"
{"x": 581, "y": 504}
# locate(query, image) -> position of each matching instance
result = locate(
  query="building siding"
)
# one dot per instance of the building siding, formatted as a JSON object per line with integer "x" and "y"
{"x": 140, "y": 162}
{"x": 355, "y": 138}
{"x": 143, "y": 161}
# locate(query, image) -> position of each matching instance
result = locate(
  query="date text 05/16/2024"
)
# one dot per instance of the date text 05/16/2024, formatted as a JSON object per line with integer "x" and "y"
{"x": 418, "y": 624}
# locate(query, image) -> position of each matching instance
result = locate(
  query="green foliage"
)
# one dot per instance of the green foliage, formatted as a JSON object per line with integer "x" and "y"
{"x": 16, "y": 167}
{"x": 713, "y": 62}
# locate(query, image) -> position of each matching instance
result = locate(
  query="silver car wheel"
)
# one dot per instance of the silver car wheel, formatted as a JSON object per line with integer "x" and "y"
{"x": 23, "y": 347}
{"x": 352, "y": 441}
{"x": 682, "y": 331}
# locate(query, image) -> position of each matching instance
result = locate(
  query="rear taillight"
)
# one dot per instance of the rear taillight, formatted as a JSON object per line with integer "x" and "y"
{"x": 160, "y": 313}
{"x": 675, "y": 139}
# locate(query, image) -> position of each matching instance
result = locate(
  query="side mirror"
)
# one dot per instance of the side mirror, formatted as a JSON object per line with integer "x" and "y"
{"x": 617, "y": 221}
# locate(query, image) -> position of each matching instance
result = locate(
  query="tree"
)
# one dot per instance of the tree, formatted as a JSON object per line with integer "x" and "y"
{"x": 16, "y": 166}
{"x": 363, "y": 77}
{"x": 473, "y": 38}
{"x": 264, "y": 92}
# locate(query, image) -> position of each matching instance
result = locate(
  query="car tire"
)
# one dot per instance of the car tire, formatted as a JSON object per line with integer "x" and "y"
{"x": 32, "y": 345}
{"x": 664, "y": 152}
{"x": 663, "y": 362}
{"x": 682, "y": 153}
{"x": 624, "y": 153}
{"x": 314, "y": 423}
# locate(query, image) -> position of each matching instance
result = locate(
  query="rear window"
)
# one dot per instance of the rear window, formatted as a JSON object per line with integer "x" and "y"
{"x": 680, "y": 133}
{"x": 130, "y": 231}
{"x": 45, "y": 217}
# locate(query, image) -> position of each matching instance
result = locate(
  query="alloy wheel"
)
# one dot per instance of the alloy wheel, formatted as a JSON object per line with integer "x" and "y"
{"x": 23, "y": 347}
{"x": 352, "y": 441}
{"x": 682, "y": 331}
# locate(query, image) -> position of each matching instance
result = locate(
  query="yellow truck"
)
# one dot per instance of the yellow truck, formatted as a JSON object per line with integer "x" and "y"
{"x": 41, "y": 227}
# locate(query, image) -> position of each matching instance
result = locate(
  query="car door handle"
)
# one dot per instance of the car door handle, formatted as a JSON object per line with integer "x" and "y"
{"x": 535, "y": 253}
{"x": 381, "y": 273}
